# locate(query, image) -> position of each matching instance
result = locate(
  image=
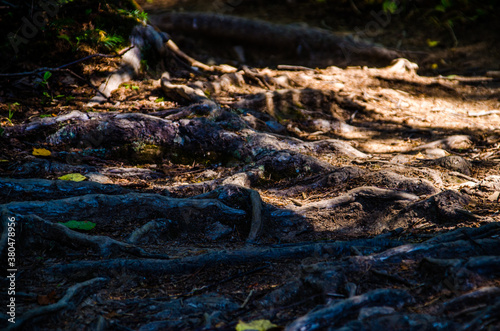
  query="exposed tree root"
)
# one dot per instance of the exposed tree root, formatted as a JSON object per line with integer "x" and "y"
{"x": 361, "y": 192}
{"x": 190, "y": 264}
{"x": 290, "y": 38}
{"x": 258, "y": 170}
{"x": 106, "y": 209}
{"x": 73, "y": 297}
{"x": 330, "y": 316}
{"x": 333, "y": 278}
{"x": 42, "y": 189}
{"x": 36, "y": 228}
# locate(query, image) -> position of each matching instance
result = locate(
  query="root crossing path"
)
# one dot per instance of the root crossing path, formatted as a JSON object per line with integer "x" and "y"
{"x": 354, "y": 199}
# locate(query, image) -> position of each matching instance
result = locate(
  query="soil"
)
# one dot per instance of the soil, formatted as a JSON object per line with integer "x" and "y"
{"x": 327, "y": 193}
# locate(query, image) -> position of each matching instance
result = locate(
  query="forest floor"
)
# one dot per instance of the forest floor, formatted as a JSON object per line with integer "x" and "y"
{"x": 308, "y": 188}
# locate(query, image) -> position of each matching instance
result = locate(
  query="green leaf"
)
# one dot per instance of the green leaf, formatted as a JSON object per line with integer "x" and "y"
{"x": 432, "y": 43}
{"x": 440, "y": 8}
{"x": 47, "y": 75}
{"x": 65, "y": 37}
{"x": 74, "y": 177}
{"x": 389, "y": 6}
{"x": 257, "y": 325}
{"x": 79, "y": 225}
{"x": 446, "y": 3}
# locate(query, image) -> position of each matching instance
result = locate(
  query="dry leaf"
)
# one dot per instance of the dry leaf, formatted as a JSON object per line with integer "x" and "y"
{"x": 41, "y": 152}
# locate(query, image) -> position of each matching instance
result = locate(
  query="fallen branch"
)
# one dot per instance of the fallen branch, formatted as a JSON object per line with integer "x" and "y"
{"x": 195, "y": 63}
{"x": 60, "y": 68}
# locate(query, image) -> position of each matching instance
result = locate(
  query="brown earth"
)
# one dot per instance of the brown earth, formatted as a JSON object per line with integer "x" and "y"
{"x": 360, "y": 197}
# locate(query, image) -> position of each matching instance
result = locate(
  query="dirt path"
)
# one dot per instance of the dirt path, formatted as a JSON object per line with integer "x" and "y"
{"x": 362, "y": 197}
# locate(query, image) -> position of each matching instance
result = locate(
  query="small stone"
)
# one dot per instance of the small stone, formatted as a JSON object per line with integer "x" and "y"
{"x": 98, "y": 178}
{"x": 401, "y": 159}
{"x": 455, "y": 163}
{"x": 494, "y": 197}
{"x": 275, "y": 126}
{"x": 338, "y": 86}
{"x": 435, "y": 153}
{"x": 217, "y": 231}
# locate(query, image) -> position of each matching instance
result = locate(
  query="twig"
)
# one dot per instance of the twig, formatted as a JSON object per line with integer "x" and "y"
{"x": 176, "y": 50}
{"x": 247, "y": 299}
{"x": 483, "y": 113}
{"x": 34, "y": 72}
{"x": 452, "y": 33}
{"x": 291, "y": 67}
{"x": 195, "y": 63}
{"x": 354, "y": 7}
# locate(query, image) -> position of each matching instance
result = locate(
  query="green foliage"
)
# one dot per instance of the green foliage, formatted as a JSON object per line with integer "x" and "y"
{"x": 389, "y": 6}
{"x": 45, "y": 79}
{"x": 443, "y": 7}
{"x": 79, "y": 225}
{"x": 44, "y": 83}
{"x": 99, "y": 38}
{"x": 130, "y": 86}
{"x": 443, "y": 10}
{"x": 12, "y": 109}
{"x": 136, "y": 14}
{"x": 78, "y": 25}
